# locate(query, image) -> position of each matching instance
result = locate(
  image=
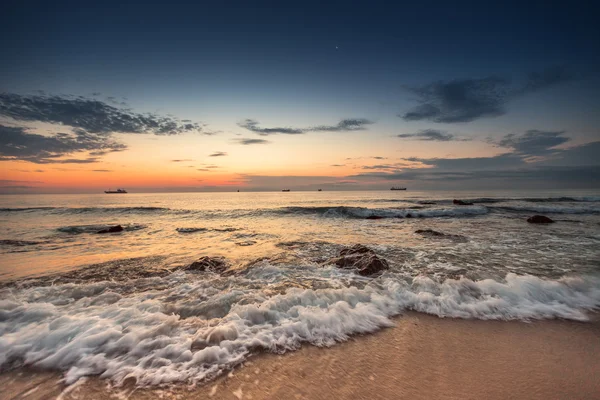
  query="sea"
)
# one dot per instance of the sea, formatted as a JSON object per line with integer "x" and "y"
{"x": 124, "y": 306}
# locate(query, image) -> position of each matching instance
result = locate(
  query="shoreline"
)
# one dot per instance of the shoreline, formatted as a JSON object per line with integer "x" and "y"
{"x": 421, "y": 357}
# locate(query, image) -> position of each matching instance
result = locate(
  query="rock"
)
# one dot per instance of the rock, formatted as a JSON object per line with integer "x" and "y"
{"x": 360, "y": 258}
{"x": 374, "y": 217}
{"x": 429, "y": 232}
{"x": 427, "y": 202}
{"x": 539, "y": 219}
{"x": 112, "y": 229}
{"x": 208, "y": 264}
{"x": 356, "y": 249}
{"x": 461, "y": 203}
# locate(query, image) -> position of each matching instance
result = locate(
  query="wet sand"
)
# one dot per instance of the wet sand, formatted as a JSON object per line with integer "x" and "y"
{"x": 423, "y": 357}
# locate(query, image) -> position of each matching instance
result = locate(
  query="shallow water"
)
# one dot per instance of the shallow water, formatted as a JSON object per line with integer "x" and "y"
{"x": 120, "y": 305}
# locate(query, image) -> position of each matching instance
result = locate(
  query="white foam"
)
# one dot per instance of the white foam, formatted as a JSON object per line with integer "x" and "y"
{"x": 84, "y": 331}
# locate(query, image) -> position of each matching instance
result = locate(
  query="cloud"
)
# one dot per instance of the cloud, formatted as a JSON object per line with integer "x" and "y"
{"x": 577, "y": 166}
{"x": 249, "y": 141}
{"x": 102, "y": 170}
{"x": 182, "y": 160}
{"x": 91, "y": 115}
{"x": 470, "y": 99}
{"x": 252, "y": 125}
{"x": 431, "y": 135}
{"x": 345, "y": 125}
{"x": 17, "y": 143}
{"x": 379, "y": 158}
{"x": 218, "y": 154}
{"x": 4, "y": 182}
{"x": 337, "y": 165}
{"x": 534, "y": 142}
{"x": 92, "y": 124}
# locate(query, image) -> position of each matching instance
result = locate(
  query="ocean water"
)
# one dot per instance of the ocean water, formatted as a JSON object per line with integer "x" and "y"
{"x": 122, "y": 306}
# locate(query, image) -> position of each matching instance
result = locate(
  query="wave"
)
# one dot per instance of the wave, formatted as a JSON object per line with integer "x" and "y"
{"x": 18, "y": 243}
{"x": 79, "y": 229}
{"x": 162, "y": 336}
{"x": 191, "y": 230}
{"x": 364, "y": 212}
{"x": 87, "y": 210}
{"x": 548, "y": 209}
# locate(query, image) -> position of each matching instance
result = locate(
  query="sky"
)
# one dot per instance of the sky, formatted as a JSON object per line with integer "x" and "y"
{"x": 171, "y": 96}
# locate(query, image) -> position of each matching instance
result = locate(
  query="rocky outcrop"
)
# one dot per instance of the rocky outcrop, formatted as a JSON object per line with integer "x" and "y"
{"x": 112, "y": 229}
{"x": 208, "y": 264}
{"x": 461, "y": 203}
{"x": 539, "y": 219}
{"x": 360, "y": 258}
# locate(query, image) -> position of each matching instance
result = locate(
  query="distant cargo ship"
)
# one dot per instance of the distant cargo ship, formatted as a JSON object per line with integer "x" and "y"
{"x": 397, "y": 188}
{"x": 285, "y": 190}
{"x": 116, "y": 191}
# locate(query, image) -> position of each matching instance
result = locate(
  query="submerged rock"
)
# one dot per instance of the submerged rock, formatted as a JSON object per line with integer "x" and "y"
{"x": 112, "y": 229}
{"x": 374, "y": 217}
{"x": 427, "y": 202}
{"x": 360, "y": 258}
{"x": 539, "y": 219}
{"x": 430, "y": 233}
{"x": 461, "y": 203}
{"x": 208, "y": 264}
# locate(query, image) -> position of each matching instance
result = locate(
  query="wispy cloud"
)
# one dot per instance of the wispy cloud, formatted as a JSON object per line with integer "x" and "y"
{"x": 218, "y": 154}
{"x": 534, "y": 142}
{"x": 17, "y": 143}
{"x": 249, "y": 141}
{"x": 431, "y": 135}
{"x": 92, "y": 124}
{"x": 470, "y": 99}
{"x": 91, "y": 115}
{"x": 182, "y": 160}
{"x": 345, "y": 125}
{"x": 102, "y": 170}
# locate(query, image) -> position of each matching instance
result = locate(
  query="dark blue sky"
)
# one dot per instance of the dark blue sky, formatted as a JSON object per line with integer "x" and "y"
{"x": 258, "y": 45}
{"x": 469, "y": 69}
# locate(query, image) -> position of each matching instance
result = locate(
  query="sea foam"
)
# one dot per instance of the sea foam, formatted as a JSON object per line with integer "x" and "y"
{"x": 188, "y": 330}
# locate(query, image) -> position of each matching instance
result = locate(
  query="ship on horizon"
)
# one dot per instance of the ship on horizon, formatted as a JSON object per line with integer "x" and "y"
{"x": 397, "y": 188}
{"x": 116, "y": 191}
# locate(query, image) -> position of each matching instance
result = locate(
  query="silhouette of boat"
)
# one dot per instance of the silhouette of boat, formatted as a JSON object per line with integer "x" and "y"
{"x": 397, "y": 188}
{"x": 116, "y": 191}
{"x": 285, "y": 190}
{"x": 320, "y": 190}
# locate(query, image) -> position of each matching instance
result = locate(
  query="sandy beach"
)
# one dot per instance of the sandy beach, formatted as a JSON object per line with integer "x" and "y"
{"x": 422, "y": 357}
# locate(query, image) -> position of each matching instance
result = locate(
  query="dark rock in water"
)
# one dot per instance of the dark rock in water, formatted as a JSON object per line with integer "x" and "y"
{"x": 112, "y": 229}
{"x": 408, "y": 215}
{"x": 374, "y": 217}
{"x": 427, "y": 202}
{"x": 360, "y": 258}
{"x": 430, "y": 233}
{"x": 210, "y": 264}
{"x": 539, "y": 219}
{"x": 461, "y": 203}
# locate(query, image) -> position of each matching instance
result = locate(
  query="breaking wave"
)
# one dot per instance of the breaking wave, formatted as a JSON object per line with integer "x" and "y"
{"x": 183, "y": 330}
{"x": 364, "y": 212}
{"x": 551, "y": 209}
